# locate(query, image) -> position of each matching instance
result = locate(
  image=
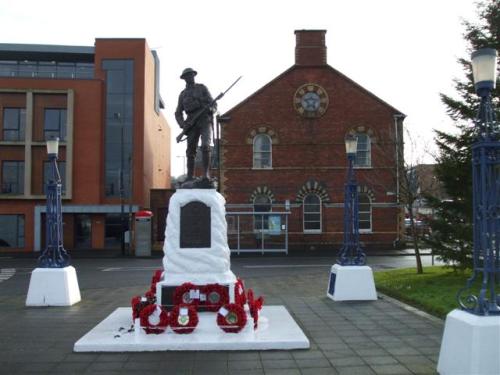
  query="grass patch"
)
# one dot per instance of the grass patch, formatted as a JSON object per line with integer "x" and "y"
{"x": 434, "y": 291}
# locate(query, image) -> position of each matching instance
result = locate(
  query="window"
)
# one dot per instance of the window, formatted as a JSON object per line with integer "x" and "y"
{"x": 11, "y": 230}
{"x": 54, "y": 124}
{"x": 118, "y": 139}
{"x": 14, "y": 121}
{"x": 261, "y": 203}
{"x": 262, "y": 158}
{"x": 47, "y": 175}
{"x": 363, "y": 154}
{"x": 365, "y": 213}
{"x": 312, "y": 213}
{"x": 13, "y": 177}
{"x": 113, "y": 230}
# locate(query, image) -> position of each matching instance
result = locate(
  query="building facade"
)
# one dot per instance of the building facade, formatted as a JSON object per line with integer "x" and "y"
{"x": 283, "y": 149}
{"x": 104, "y": 104}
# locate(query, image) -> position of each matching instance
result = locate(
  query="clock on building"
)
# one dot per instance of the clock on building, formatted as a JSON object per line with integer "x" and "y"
{"x": 310, "y": 100}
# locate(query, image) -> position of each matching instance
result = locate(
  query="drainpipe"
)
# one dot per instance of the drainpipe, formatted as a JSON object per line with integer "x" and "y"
{"x": 397, "y": 119}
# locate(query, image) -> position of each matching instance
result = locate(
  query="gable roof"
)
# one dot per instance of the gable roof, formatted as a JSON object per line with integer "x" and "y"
{"x": 294, "y": 67}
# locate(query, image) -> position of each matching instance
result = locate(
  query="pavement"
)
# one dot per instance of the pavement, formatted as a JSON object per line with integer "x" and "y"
{"x": 367, "y": 337}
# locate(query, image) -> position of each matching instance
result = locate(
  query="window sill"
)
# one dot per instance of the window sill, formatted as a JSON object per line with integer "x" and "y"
{"x": 319, "y": 231}
{"x": 365, "y": 231}
{"x": 362, "y": 167}
{"x": 262, "y": 169}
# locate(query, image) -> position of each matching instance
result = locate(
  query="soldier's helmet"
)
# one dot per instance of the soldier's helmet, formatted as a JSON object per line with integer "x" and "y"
{"x": 188, "y": 71}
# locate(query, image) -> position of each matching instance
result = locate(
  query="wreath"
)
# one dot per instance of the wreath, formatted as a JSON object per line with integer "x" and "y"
{"x": 216, "y": 295}
{"x": 254, "y": 305}
{"x": 151, "y": 296}
{"x": 231, "y": 318}
{"x": 137, "y": 305}
{"x": 239, "y": 292}
{"x": 183, "y": 318}
{"x": 154, "y": 319}
{"x": 156, "y": 276}
{"x": 183, "y": 295}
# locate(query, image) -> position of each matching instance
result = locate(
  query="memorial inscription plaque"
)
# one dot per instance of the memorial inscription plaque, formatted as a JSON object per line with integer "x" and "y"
{"x": 195, "y": 225}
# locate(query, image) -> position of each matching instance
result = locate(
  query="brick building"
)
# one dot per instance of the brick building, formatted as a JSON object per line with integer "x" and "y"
{"x": 103, "y": 102}
{"x": 284, "y": 147}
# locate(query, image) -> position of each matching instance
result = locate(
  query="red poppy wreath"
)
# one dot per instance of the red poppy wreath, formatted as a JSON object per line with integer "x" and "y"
{"x": 154, "y": 319}
{"x": 183, "y": 319}
{"x": 231, "y": 318}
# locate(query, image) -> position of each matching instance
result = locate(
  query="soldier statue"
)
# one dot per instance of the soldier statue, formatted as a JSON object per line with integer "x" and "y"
{"x": 195, "y": 100}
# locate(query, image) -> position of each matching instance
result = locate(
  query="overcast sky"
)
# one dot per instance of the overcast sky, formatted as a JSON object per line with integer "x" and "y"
{"x": 403, "y": 51}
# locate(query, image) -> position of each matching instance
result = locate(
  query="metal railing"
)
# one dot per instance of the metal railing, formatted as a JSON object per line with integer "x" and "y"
{"x": 253, "y": 232}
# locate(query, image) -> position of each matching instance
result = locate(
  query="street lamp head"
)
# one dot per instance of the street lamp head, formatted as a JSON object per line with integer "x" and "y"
{"x": 484, "y": 70}
{"x": 53, "y": 146}
{"x": 351, "y": 145}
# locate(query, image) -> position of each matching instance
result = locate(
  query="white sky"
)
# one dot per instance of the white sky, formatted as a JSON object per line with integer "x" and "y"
{"x": 404, "y": 51}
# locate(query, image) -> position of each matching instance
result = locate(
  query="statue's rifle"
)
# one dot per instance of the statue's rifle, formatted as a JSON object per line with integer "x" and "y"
{"x": 191, "y": 123}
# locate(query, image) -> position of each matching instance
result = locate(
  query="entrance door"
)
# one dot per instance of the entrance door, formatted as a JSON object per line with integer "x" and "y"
{"x": 83, "y": 231}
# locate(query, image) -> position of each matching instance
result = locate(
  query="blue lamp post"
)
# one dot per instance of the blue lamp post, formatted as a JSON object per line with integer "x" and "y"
{"x": 351, "y": 253}
{"x": 54, "y": 255}
{"x": 486, "y": 188}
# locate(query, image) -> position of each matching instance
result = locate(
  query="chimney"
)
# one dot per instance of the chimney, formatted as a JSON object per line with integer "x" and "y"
{"x": 310, "y": 48}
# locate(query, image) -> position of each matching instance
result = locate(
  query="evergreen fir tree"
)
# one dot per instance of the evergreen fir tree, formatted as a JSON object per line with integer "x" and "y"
{"x": 452, "y": 227}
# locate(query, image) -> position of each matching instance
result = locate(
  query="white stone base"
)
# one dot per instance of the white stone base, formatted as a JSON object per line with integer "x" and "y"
{"x": 470, "y": 345}
{"x": 53, "y": 287}
{"x": 276, "y": 330}
{"x": 351, "y": 283}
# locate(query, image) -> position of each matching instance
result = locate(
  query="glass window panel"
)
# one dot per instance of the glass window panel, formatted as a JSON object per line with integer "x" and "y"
{"x": 55, "y": 123}
{"x": 11, "y": 118}
{"x": 364, "y": 216}
{"x": 8, "y": 68}
{"x": 46, "y": 69}
{"x": 312, "y": 199}
{"x": 27, "y": 69}
{"x": 312, "y": 225}
{"x": 129, "y": 76}
{"x": 363, "y": 151}
{"x": 115, "y": 81}
{"x": 312, "y": 207}
{"x": 11, "y": 230}
{"x": 13, "y": 177}
{"x": 14, "y": 120}
{"x": 365, "y": 211}
{"x": 84, "y": 70}
{"x": 312, "y": 212}
{"x": 65, "y": 70}
{"x": 312, "y": 217}
{"x": 365, "y": 225}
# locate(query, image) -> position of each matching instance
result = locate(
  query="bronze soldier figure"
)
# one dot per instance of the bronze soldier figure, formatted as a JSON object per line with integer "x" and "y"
{"x": 195, "y": 100}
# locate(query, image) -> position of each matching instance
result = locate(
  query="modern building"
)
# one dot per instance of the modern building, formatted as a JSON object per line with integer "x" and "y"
{"x": 283, "y": 151}
{"x": 104, "y": 104}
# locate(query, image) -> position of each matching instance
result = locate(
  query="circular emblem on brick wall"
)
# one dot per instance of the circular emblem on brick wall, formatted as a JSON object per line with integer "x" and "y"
{"x": 310, "y": 100}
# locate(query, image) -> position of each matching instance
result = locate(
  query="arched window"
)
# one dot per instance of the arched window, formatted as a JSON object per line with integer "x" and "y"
{"x": 262, "y": 151}
{"x": 363, "y": 154}
{"x": 365, "y": 213}
{"x": 312, "y": 213}
{"x": 261, "y": 203}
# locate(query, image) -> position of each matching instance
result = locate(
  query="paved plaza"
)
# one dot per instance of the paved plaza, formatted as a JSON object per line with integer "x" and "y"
{"x": 376, "y": 337}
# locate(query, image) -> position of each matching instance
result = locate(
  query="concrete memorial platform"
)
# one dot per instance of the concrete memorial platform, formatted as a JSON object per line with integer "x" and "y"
{"x": 276, "y": 330}
{"x": 196, "y": 283}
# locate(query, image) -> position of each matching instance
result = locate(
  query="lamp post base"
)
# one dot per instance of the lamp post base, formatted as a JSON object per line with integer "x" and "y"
{"x": 351, "y": 283}
{"x": 53, "y": 287}
{"x": 469, "y": 344}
